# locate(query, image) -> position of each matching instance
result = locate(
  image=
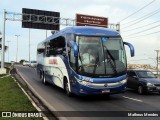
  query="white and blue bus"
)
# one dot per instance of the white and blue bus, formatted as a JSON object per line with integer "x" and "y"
{"x": 62, "y": 60}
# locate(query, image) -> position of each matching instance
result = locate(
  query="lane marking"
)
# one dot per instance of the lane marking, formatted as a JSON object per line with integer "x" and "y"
{"x": 132, "y": 99}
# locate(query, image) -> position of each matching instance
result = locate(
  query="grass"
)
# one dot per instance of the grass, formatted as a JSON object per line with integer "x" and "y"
{"x": 13, "y": 99}
{"x": 1, "y": 75}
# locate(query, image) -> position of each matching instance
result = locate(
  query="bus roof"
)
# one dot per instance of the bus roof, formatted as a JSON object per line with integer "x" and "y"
{"x": 85, "y": 30}
{"x": 88, "y": 30}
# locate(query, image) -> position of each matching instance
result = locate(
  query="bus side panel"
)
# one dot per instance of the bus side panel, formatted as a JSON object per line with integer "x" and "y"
{"x": 56, "y": 69}
{"x": 57, "y": 78}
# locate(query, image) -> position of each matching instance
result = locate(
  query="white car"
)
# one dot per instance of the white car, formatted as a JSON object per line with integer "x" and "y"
{"x": 33, "y": 63}
{"x": 25, "y": 63}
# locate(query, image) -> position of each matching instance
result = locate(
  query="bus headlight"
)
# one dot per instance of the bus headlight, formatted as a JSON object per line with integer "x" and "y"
{"x": 123, "y": 81}
{"x": 83, "y": 82}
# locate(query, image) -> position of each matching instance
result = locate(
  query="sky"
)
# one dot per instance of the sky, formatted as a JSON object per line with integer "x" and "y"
{"x": 136, "y": 29}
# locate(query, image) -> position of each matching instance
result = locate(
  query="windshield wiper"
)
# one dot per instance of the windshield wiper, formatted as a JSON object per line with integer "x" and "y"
{"x": 111, "y": 58}
{"x": 82, "y": 68}
{"x": 96, "y": 62}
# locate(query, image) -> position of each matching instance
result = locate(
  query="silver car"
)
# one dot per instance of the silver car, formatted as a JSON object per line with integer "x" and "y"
{"x": 26, "y": 63}
{"x": 33, "y": 63}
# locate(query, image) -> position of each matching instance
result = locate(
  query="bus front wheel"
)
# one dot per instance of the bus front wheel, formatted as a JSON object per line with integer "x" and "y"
{"x": 66, "y": 88}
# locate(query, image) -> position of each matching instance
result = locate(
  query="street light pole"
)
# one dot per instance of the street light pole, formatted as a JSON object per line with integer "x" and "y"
{"x": 157, "y": 58}
{"x": 3, "y": 39}
{"x": 8, "y": 50}
{"x": 17, "y": 47}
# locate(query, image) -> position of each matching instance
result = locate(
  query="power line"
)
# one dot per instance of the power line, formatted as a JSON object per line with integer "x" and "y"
{"x": 157, "y": 59}
{"x": 138, "y": 10}
{"x": 141, "y": 26}
{"x": 151, "y": 13}
{"x": 144, "y": 30}
{"x": 143, "y": 35}
{"x": 140, "y": 20}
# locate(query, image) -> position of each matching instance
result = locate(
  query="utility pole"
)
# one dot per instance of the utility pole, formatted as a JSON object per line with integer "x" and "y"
{"x": 2, "y": 69}
{"x": 3, "y": 39}
{"x": 157, "y": 59}
{"x": 17, "y": 47}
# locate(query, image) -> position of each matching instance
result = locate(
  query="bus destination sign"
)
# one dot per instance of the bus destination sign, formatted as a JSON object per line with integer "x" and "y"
{"x": 88, "y": 20}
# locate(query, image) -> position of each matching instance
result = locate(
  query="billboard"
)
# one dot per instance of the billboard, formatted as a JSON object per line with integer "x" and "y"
{"x": 40, "y": 19}
{"x": 88, "y": 20}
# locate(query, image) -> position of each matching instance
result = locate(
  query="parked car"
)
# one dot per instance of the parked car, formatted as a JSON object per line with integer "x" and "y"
{"x": 26, "y": 63}
{"x": 33, "y": 63}
{"x": 143, "y": 81}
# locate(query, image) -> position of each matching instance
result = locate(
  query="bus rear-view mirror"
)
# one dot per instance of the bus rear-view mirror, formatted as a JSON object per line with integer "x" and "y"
{"x": 75, "y": 47}
{"x": 131, "y": 48}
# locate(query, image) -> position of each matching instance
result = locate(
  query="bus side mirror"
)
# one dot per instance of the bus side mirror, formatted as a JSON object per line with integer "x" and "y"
{"x": 131, "y": 48}
{"x": 75, "y": 47}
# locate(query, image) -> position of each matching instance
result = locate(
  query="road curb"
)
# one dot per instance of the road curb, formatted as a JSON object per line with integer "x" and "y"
{"x": 49, "y": 107}
{"x": 30, "y": 99}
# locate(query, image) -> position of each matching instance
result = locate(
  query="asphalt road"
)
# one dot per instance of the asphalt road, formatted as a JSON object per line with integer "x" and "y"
{"x": 56, "y": 100}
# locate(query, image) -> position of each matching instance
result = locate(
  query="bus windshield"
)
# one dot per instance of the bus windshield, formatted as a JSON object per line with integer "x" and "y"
{"x": 101, "y": 56}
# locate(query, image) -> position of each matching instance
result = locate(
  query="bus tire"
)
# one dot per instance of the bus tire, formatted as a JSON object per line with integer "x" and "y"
{"x": 41, "y": 75}
{"x": 44, "y": 79}
{"x": 66, "y": 88}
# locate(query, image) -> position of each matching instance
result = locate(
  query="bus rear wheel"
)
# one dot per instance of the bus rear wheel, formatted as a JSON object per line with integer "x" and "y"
{"x": 41, "y": 76}
{"x": 66, "y": 88}
{"x": 43, "y": 79}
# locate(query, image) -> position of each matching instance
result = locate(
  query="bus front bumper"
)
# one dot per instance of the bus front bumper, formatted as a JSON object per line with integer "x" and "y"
{"x": 88, "y": 90}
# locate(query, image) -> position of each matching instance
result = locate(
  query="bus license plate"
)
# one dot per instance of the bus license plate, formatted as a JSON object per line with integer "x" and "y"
{"x": 106, "y": 91}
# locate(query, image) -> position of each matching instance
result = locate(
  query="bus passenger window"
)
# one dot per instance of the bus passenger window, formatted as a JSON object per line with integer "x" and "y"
{"x": 40, "y": 50}
{"x": 57, "y": 46}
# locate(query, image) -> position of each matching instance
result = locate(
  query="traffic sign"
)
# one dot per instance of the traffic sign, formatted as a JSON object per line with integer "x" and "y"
{"x": 88, "y": 20}
{"x": 40, "y": 19}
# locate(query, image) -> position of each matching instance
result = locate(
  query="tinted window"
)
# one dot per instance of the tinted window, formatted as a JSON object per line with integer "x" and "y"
{"x": 56, "y": 46}
{"x": 145, "y": 74}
